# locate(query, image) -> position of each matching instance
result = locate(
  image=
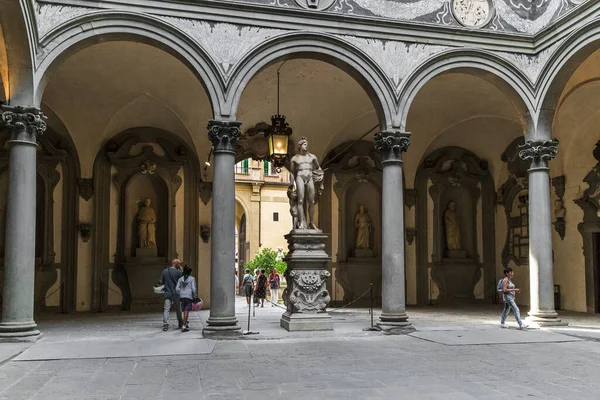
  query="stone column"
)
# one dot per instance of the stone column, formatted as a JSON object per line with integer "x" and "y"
{"x": 24, "y": 124}
{"x": 222, "y": 322}
{"x": 391, "y": 145}
{"x": 542, "y": 311}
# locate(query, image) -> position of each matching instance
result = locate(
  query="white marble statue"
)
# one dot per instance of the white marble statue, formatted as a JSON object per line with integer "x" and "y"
{"x": 452, "y": 227}
{"x": 308, "y": 177}
{"x": 362, "y": 223}
{"x": 146, "y": 218}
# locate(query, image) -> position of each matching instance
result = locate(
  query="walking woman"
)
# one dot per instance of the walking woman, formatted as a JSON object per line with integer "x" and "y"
{"x": 247, "y": 286}
{"x": 261, "y": 288}
{"x": 508, "y": 294}
{"x": 186, "y": 287}
{"x": 274, "y": 284}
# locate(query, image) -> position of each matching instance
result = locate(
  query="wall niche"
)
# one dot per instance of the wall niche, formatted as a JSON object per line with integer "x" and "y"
{"x": 357, "y": 169}
{"x": 147, "y": 167}
{"x": 453, "y": 187}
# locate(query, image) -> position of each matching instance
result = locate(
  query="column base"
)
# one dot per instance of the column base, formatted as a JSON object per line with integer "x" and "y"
{"x": 395, "y": 324}
{"x": 306, "y": 322}
{"x": 540, "y": 319}
{"x": 222, "y": 328}
{"x": 15, "y": 331}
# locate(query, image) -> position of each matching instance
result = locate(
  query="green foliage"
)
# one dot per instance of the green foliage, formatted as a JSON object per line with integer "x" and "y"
{"x": 267, "y": 260}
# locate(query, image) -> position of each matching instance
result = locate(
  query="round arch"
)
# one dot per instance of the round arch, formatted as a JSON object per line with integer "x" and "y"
{"x": 16, "y": 48}
{"x": 322, "y": 47}
{"x": 244, "y": 207}
{"x": 80, "y": 33}
{"x": 560, "y": 68}
{"x": 482, "y": 64}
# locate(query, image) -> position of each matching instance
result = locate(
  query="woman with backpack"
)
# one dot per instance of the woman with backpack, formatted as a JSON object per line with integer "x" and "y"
{"x": 508, "y": 289}
{"x": 186, "y": 287}
{"x": 247, "y": 285}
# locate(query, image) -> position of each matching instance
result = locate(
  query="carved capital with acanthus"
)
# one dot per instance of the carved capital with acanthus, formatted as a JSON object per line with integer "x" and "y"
{"x": 23, "y": 123}
{"x": 538, "y": 152}
{"x": 224, "y": 135}
{"x": 391, "y": 145}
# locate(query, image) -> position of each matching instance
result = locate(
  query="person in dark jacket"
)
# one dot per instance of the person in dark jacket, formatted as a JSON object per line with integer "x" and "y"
{"x": 186, "y": 288}
{"x": 169, "y": 278}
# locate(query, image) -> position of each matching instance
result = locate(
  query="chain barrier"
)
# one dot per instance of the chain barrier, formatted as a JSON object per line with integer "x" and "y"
{"x": 275, "y": 304}
{"x": 492, "y": 286}
{"x": 332, "y": 308}
{"x": 353, "y": 301}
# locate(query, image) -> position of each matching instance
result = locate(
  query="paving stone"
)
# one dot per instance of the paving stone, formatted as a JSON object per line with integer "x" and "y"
{"x": 344, "y": 364}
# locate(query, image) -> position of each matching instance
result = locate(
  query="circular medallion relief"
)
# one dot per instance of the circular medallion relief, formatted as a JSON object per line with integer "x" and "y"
{"x": 315, "y": 4}
{"x": 473, "y": 13}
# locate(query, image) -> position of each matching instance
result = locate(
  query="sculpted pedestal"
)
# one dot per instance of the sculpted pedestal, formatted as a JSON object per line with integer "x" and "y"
{"x": 306, "y": 296}
{"x": 143, "y": 271}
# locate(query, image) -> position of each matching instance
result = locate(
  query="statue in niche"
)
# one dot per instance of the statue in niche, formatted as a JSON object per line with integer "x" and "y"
{"x": 362, "y": 222}
{"x": 307, "y": 175}
{"x": 452, "y": 227}
{"x": 146, "y": 218}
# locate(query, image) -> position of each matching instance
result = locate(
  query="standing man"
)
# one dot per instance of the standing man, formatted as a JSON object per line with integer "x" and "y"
{"x": 169, "y": 278}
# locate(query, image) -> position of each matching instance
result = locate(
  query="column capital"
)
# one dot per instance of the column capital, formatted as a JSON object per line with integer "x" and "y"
{"x": 391, "y": 144}
{"x": 538, "y": 152}
{"x": 224, "y": 135}
{"x": 23, "y": 123}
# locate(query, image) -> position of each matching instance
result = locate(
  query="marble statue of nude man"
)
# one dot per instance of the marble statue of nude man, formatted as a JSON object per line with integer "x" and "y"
{"x": 307, "y": 173}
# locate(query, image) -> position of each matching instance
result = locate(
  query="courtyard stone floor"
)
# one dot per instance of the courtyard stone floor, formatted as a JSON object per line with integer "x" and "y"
{"x": 453, "y": 354}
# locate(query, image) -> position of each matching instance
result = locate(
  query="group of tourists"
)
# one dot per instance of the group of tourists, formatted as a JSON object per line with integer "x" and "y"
{"x": 180, "y": 291}
{"x": 257, "y": 284}
{"x": 179, "y": 288}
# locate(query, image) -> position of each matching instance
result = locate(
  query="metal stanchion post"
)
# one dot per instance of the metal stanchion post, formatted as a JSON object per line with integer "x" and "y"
{"x": 430, "y": 293}
{"x": 249, "y": 332}
{"x": 371, "y": 302}
{"x": 101, "y": 297}
{"x": 63, "y": 308}
{"x": 372, "y": 327}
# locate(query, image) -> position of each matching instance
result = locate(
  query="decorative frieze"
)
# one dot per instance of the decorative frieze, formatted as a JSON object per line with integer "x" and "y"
{"x": 531, "y": 65}
{"x": 50, "y": 16}
{"x": 396, "y": 59}
{"x": 224, "y": 135}
{"x": 539, "y": 152}
{"x": 402, "y": 10}
{"x": 519, "y": 14}
{"x": 225, "y": 43}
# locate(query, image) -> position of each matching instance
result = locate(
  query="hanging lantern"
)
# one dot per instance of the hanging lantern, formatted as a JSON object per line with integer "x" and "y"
{"x": 278, "y": 136}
